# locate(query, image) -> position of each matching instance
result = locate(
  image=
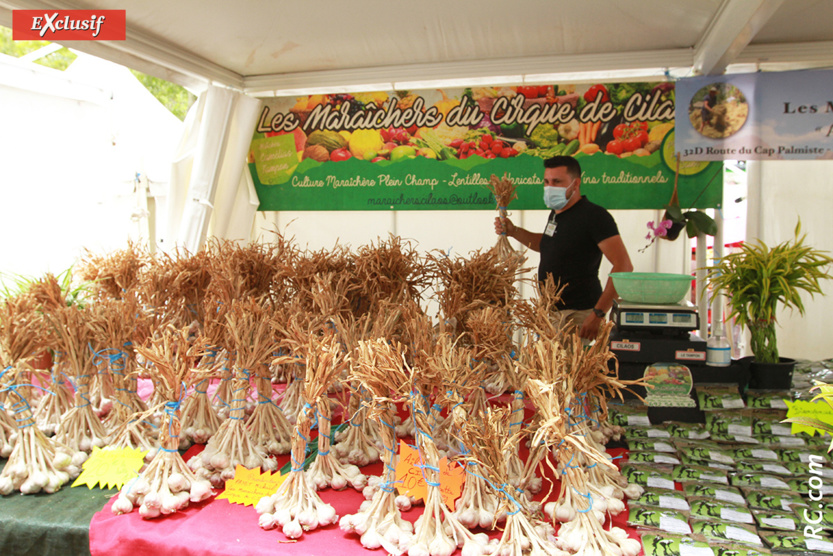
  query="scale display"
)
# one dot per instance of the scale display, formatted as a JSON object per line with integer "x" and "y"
{"x": 680, "y": 317}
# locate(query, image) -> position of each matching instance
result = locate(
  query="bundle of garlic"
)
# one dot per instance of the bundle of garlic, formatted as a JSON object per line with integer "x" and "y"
{"x": 296, "y": 506}
{"x": 111, "y": 280}
{"x": 379, "y": 367}
{"x": 437, "y": 531}
{"x": 360, "y": 442}
{"x": 113, "y": 322}
{"x": 487, "y": 436}
{"x": 166, "y": 484}
{"x": 49, "y": 410}
{"x": 479, "y": 504}
{"x": 584, "y": 534}
{"x": 199, "y": 416}
{"x": 489, "y": 332}
{"x": 268, "y": 425}
{"x": 251, "y": 339}
{"x": 80, "y": 428}
{"x": 596, "y": 380}
{"x": 36, "y": 462}
{"x": 503, "y": 190}
{"x": 326, "y": 470}
{"x": 559, "y": 371}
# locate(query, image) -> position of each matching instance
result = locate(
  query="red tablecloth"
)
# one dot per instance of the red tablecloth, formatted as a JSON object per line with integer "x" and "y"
{"x": 219, "y": 528}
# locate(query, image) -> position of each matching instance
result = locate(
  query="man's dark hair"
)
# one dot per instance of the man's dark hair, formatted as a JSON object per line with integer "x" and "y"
{"x": 572, "y": 165}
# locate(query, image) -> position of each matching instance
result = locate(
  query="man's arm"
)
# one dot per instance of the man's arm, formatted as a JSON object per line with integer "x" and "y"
{"x": 614, "y": 251}
{"x": 529, "y": 239}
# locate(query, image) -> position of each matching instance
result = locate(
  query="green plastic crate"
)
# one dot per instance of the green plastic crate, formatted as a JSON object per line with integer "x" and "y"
{"x": 655, "y": 288}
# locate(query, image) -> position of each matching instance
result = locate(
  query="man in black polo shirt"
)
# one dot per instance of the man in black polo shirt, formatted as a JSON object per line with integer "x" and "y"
{"x": 576, "y": 236}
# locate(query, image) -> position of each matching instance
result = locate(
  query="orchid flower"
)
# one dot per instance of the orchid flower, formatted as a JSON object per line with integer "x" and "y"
{"x": 658, "y": 230}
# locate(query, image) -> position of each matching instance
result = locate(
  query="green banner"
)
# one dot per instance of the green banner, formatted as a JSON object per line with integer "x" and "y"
{"x": 437, "y": 150}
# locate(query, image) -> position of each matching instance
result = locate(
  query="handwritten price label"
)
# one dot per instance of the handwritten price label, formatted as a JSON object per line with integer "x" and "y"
{"x": 110, "y": 467}
{"x": 411, "y": 480}
{"x": 813, "y": 411}
{"x": 250, "y": 485}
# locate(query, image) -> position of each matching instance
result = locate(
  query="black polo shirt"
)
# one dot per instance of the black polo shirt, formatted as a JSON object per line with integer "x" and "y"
{"x": 572, "y": 255}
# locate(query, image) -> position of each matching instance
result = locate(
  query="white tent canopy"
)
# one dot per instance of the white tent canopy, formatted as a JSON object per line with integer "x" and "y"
{"x": 260, "y": 47}
{"x": 252, "y": 48}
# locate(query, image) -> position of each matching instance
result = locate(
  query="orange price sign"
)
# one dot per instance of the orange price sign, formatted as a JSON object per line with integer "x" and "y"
{"x": 410, "y": 479}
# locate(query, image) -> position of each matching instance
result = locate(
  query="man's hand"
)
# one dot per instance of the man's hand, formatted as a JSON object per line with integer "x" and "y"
{"x": 504, "y": 226}
{"x": 590, "y": 327}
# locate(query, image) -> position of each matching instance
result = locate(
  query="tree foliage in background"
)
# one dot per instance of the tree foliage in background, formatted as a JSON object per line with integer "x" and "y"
{"x": 59, "y": 60}
{"x": 173, "y": 97}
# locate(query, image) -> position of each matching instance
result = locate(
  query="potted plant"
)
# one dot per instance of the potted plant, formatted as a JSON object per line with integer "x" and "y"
{"x": 758, "y": 280}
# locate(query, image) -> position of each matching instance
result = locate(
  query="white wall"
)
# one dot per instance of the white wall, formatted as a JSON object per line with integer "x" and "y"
{"x": 780, "y": 193}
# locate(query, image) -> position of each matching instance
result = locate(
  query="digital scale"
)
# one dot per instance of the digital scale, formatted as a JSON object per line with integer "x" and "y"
{"x": 648, "y": 334}
{"x": 676, "y": 320}
{"x": 661, "y": 342}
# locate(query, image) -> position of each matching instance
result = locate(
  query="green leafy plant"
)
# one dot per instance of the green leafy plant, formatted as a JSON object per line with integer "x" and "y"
{"x": 694, "y": 221}
{"x": 758, "y": 279}
{"x": 75, "y": 294}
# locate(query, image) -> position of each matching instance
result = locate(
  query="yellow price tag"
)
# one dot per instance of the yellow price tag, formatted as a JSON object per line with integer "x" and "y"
{"x": 820, "y": 412}
{"x": 111, "y": 467}
{"x": 250, "y": 485}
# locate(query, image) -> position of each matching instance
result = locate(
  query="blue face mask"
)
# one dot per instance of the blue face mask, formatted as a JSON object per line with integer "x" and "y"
{"x": 556, "y": 197}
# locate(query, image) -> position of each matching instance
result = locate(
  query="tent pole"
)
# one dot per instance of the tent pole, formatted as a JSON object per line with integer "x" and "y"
{"x": 701, "y": 295}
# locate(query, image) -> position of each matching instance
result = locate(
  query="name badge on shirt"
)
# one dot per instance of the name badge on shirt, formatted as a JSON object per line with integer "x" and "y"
{"x": 550, "y": 229}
